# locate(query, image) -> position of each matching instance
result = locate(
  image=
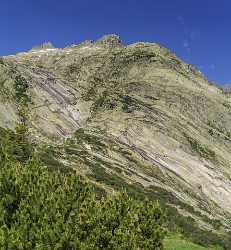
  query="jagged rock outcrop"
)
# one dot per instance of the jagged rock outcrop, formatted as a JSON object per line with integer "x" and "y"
{"x": 141, "y": 115}
{"x": 109, "y": 41}
{"x": 46, "y": 45}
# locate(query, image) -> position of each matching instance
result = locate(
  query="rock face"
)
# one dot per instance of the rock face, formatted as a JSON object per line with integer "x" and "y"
{"x": 109, "y": 41}
{"x": 227, "y": 88}
{"x": 137, "y": 113}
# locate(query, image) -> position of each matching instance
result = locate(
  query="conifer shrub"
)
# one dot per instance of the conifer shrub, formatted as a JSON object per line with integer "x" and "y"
{"x": 42, "y": 209}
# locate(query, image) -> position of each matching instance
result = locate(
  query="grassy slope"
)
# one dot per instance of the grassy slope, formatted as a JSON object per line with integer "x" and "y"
{"x": 175, "y": 242}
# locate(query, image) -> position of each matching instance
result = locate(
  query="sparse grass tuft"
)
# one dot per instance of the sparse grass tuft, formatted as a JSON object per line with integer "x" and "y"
{"x": 202, "y": 149}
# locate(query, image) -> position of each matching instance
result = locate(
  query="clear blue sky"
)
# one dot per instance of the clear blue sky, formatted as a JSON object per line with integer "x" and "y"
{"x": 198, "y": 31}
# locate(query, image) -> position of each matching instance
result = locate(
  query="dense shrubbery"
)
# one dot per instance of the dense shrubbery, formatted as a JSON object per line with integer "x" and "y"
{"x": 40, "y": 209}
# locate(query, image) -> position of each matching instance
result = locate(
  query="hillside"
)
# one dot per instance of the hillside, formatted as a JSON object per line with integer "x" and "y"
{"x": 134, "y": 117}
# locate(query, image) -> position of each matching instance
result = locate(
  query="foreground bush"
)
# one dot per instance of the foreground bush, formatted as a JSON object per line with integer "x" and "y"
{"x": 40, "y": 209}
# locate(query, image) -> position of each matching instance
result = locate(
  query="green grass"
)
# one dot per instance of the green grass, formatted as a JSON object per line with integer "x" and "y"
{"x": 175, "y": 242}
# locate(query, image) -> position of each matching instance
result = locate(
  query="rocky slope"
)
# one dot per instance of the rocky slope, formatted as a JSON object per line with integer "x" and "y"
{"x": 130, "y": 116}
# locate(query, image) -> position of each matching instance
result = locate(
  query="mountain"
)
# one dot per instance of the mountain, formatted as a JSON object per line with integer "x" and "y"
{"x": 134, "y": 117}
{"x": 227, "y": 88}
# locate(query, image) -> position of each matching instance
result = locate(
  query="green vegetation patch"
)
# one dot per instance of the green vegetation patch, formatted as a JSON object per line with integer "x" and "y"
{"x": 175, "y": 242}
{"x": 52, "y": 210}
{"x": 202, "y": 149}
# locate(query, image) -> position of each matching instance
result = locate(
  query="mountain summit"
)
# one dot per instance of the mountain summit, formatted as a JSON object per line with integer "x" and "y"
{"x": 46, "y": 45}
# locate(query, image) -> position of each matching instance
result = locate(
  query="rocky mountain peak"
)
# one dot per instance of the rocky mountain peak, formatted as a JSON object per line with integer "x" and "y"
{"x": 111, "y": 40}
{"x": 82, "y": 44}
{"x": 46, "y": 45}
